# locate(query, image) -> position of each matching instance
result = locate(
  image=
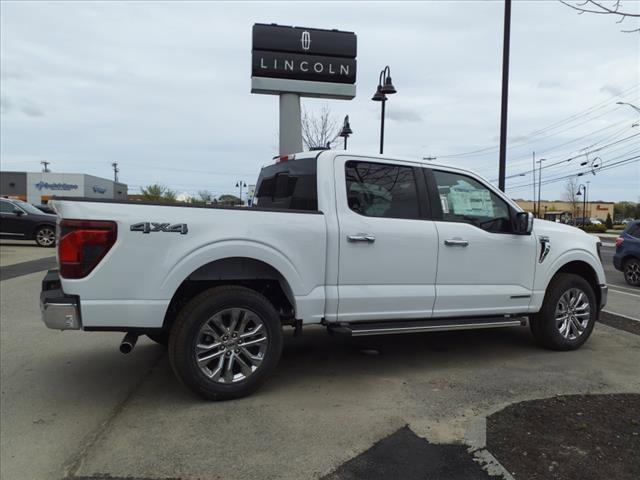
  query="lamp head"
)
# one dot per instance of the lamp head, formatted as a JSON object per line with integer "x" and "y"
{"x": 388, "y": 88}
{"x": 378, "y": 96}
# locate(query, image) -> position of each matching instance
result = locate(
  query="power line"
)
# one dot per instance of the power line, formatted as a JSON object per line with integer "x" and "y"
{"x": 586, "y": 153}
{"x": 620, "y": 163}
{"x": 569, "y": 119}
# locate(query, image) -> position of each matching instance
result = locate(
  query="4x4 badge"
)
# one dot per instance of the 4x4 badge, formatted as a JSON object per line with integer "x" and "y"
{"x": 149, "y": 227}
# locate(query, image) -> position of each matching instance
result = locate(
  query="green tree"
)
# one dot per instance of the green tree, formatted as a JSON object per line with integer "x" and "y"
{"x": 158, "y": 193}
{"x": 228, "y": 200}
{"x": 608, "y": 222}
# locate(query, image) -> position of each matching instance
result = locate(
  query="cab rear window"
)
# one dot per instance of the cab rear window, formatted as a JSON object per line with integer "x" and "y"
{"x": 288, "y": 185}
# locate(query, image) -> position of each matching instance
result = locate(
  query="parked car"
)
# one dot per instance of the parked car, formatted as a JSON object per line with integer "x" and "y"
{"x": 627, "y": 256}
{"x": 22, "y": 221}
{"x": 595, "y": 221}
{"x": 627, "y": 221}
{"x": 362, "y": 244}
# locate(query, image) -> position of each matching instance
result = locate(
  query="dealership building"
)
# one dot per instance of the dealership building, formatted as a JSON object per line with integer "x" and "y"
{"x": 39, "y": 187}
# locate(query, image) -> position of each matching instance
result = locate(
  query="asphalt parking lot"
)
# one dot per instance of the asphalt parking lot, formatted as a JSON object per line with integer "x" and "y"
{"x": 74, "y": 407}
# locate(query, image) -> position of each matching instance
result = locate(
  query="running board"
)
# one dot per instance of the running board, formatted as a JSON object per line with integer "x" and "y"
{"x": 414, "y": 326}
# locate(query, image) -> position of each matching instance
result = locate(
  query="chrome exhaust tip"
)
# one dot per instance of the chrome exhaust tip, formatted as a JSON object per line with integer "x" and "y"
{"x": 128, "y": 342}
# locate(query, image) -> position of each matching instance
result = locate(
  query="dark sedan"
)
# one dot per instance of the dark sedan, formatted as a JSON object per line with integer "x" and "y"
{"x": 22, "y": 221}
{"x": 627, "y": 257}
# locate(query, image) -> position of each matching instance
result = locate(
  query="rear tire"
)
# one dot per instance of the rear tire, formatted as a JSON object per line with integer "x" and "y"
{"x": 568, "y": 313}
{"x": 631, "y": 269}
{"x": 225, "y": 342}
{"x": 46, "y": 236}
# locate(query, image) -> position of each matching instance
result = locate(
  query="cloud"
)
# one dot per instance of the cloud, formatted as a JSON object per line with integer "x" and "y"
{"x": 401, "y": 114}
{"x": 31, "y": 110}
{"x": 611, "y": 90}
{"x": 5, "y": 104}
{"x": 549, "y": 84}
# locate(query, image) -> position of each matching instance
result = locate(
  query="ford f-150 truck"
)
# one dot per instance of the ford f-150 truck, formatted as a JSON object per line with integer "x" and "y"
{"x": 361, "y": 244}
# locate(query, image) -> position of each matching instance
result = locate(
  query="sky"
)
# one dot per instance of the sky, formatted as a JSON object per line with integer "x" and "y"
{"x": 163, "y": 89}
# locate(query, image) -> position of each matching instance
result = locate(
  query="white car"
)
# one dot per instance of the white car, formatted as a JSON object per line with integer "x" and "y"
{"x": 362, "y": 244}
{"x": 595, "y": 221}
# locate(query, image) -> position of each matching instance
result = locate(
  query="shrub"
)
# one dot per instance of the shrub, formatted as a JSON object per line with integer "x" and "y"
{"x": 608, "y": 222}
{"x": 594, "y": 228}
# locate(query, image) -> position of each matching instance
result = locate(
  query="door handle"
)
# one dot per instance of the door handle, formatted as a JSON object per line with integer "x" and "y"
{"x": 361, "y": 237}
{"x": 456, "y": 242}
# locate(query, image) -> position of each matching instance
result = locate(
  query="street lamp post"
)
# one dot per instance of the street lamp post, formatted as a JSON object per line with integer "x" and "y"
{"x": 385, "y": 87}
{"x": 240, "y": 184}
{"x": 582, "y": 190}
{"x": 346, "y": 130}
{"x": 540, "y": 182}
{"x": 630, "y": 104}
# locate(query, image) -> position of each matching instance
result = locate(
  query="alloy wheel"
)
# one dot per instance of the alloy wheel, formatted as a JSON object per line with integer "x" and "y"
{"x": 632, "y": 272}
{"x": 231, "y": 345}
{"x": 46, "y": 237}
{"x": 573, "y": 313}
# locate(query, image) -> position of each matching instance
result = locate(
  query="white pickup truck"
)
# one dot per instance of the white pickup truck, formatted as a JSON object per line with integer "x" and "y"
{"x": 362, "y": 244}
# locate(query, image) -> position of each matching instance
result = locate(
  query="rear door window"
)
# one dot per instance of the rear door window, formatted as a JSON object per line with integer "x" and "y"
{"x": 382, "y": 190}
{"x": 288, "y": 185}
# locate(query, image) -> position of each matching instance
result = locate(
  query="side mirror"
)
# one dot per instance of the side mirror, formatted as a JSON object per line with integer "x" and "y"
{"x": 18, "y": 212}
{"x": 524, "y": 223}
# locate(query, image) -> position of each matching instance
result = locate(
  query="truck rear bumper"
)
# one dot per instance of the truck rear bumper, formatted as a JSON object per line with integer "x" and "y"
{"x": 59, "y": 311}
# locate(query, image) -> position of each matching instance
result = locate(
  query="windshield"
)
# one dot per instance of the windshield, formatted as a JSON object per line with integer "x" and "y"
{"x": 27, "y": 207}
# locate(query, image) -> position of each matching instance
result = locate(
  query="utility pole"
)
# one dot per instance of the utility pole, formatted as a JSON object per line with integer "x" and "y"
{"x": 45, "y": 166}
{"x": 115, "y": 171}
{"x": 505, "y": 94}
{"x": 587, "y": 199}
{"x": 540, "y": 183}
{"x": 533, "y": 170}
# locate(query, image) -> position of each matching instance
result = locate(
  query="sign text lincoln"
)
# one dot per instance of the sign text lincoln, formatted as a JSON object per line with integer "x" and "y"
{"x": 300, "y": 57}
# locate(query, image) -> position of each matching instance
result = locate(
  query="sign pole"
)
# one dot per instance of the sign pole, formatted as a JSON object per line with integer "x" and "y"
{"x": 290, "y": 124}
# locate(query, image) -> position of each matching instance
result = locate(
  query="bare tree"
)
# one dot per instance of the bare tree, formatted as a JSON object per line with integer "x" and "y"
{"x": 570, "y": 195}
{"x": 591, "y": 6}
{"x": 205, "y": 196}
{"x": 319, "y": 130}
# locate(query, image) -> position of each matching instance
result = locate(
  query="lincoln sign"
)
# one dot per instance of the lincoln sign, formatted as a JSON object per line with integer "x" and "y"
{"x": 308, "y": 61}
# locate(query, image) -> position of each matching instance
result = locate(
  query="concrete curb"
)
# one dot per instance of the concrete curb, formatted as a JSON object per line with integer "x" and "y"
{"x": 475, "y": 437}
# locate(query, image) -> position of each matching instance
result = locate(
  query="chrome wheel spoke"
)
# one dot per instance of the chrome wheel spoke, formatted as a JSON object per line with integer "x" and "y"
{"x": 253, "y": 332}
{"x": 203, "y": 347}
{"x": 253, "y": 359}
{"x": 244, "y": 368}
{"x": 254, "y": 342}
{"x": 228, "y": 371}
{"x": 207, "y": 358}
{"x": 215, "y": 374}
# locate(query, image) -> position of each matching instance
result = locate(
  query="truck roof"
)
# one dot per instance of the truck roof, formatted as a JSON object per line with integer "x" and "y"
{"x": 351, "y": 153}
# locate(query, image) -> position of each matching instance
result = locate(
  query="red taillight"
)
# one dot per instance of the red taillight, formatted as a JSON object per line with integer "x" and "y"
{"x": 619, "y": 241}
{"x": 82, "y": 244}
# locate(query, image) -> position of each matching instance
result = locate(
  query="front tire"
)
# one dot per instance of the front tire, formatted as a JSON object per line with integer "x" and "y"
{"x": 46, "y": 236}
{"x": 225, "y": 342}
{"x": 631, "y": 269}
{"x": 568, "y": 313}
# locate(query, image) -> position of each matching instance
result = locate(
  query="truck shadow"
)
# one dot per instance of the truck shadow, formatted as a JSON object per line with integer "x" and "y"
{"x": 314, "y": 360}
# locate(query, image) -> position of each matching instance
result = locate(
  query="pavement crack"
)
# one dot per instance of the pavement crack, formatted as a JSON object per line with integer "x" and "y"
{"x": 72, "y": 466}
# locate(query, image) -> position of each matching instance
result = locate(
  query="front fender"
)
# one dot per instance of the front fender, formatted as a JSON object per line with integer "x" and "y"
{"x": 546, "y": 271}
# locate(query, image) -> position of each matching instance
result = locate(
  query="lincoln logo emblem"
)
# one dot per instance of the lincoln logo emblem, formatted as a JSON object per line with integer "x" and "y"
{"x": 305, "y": 40}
